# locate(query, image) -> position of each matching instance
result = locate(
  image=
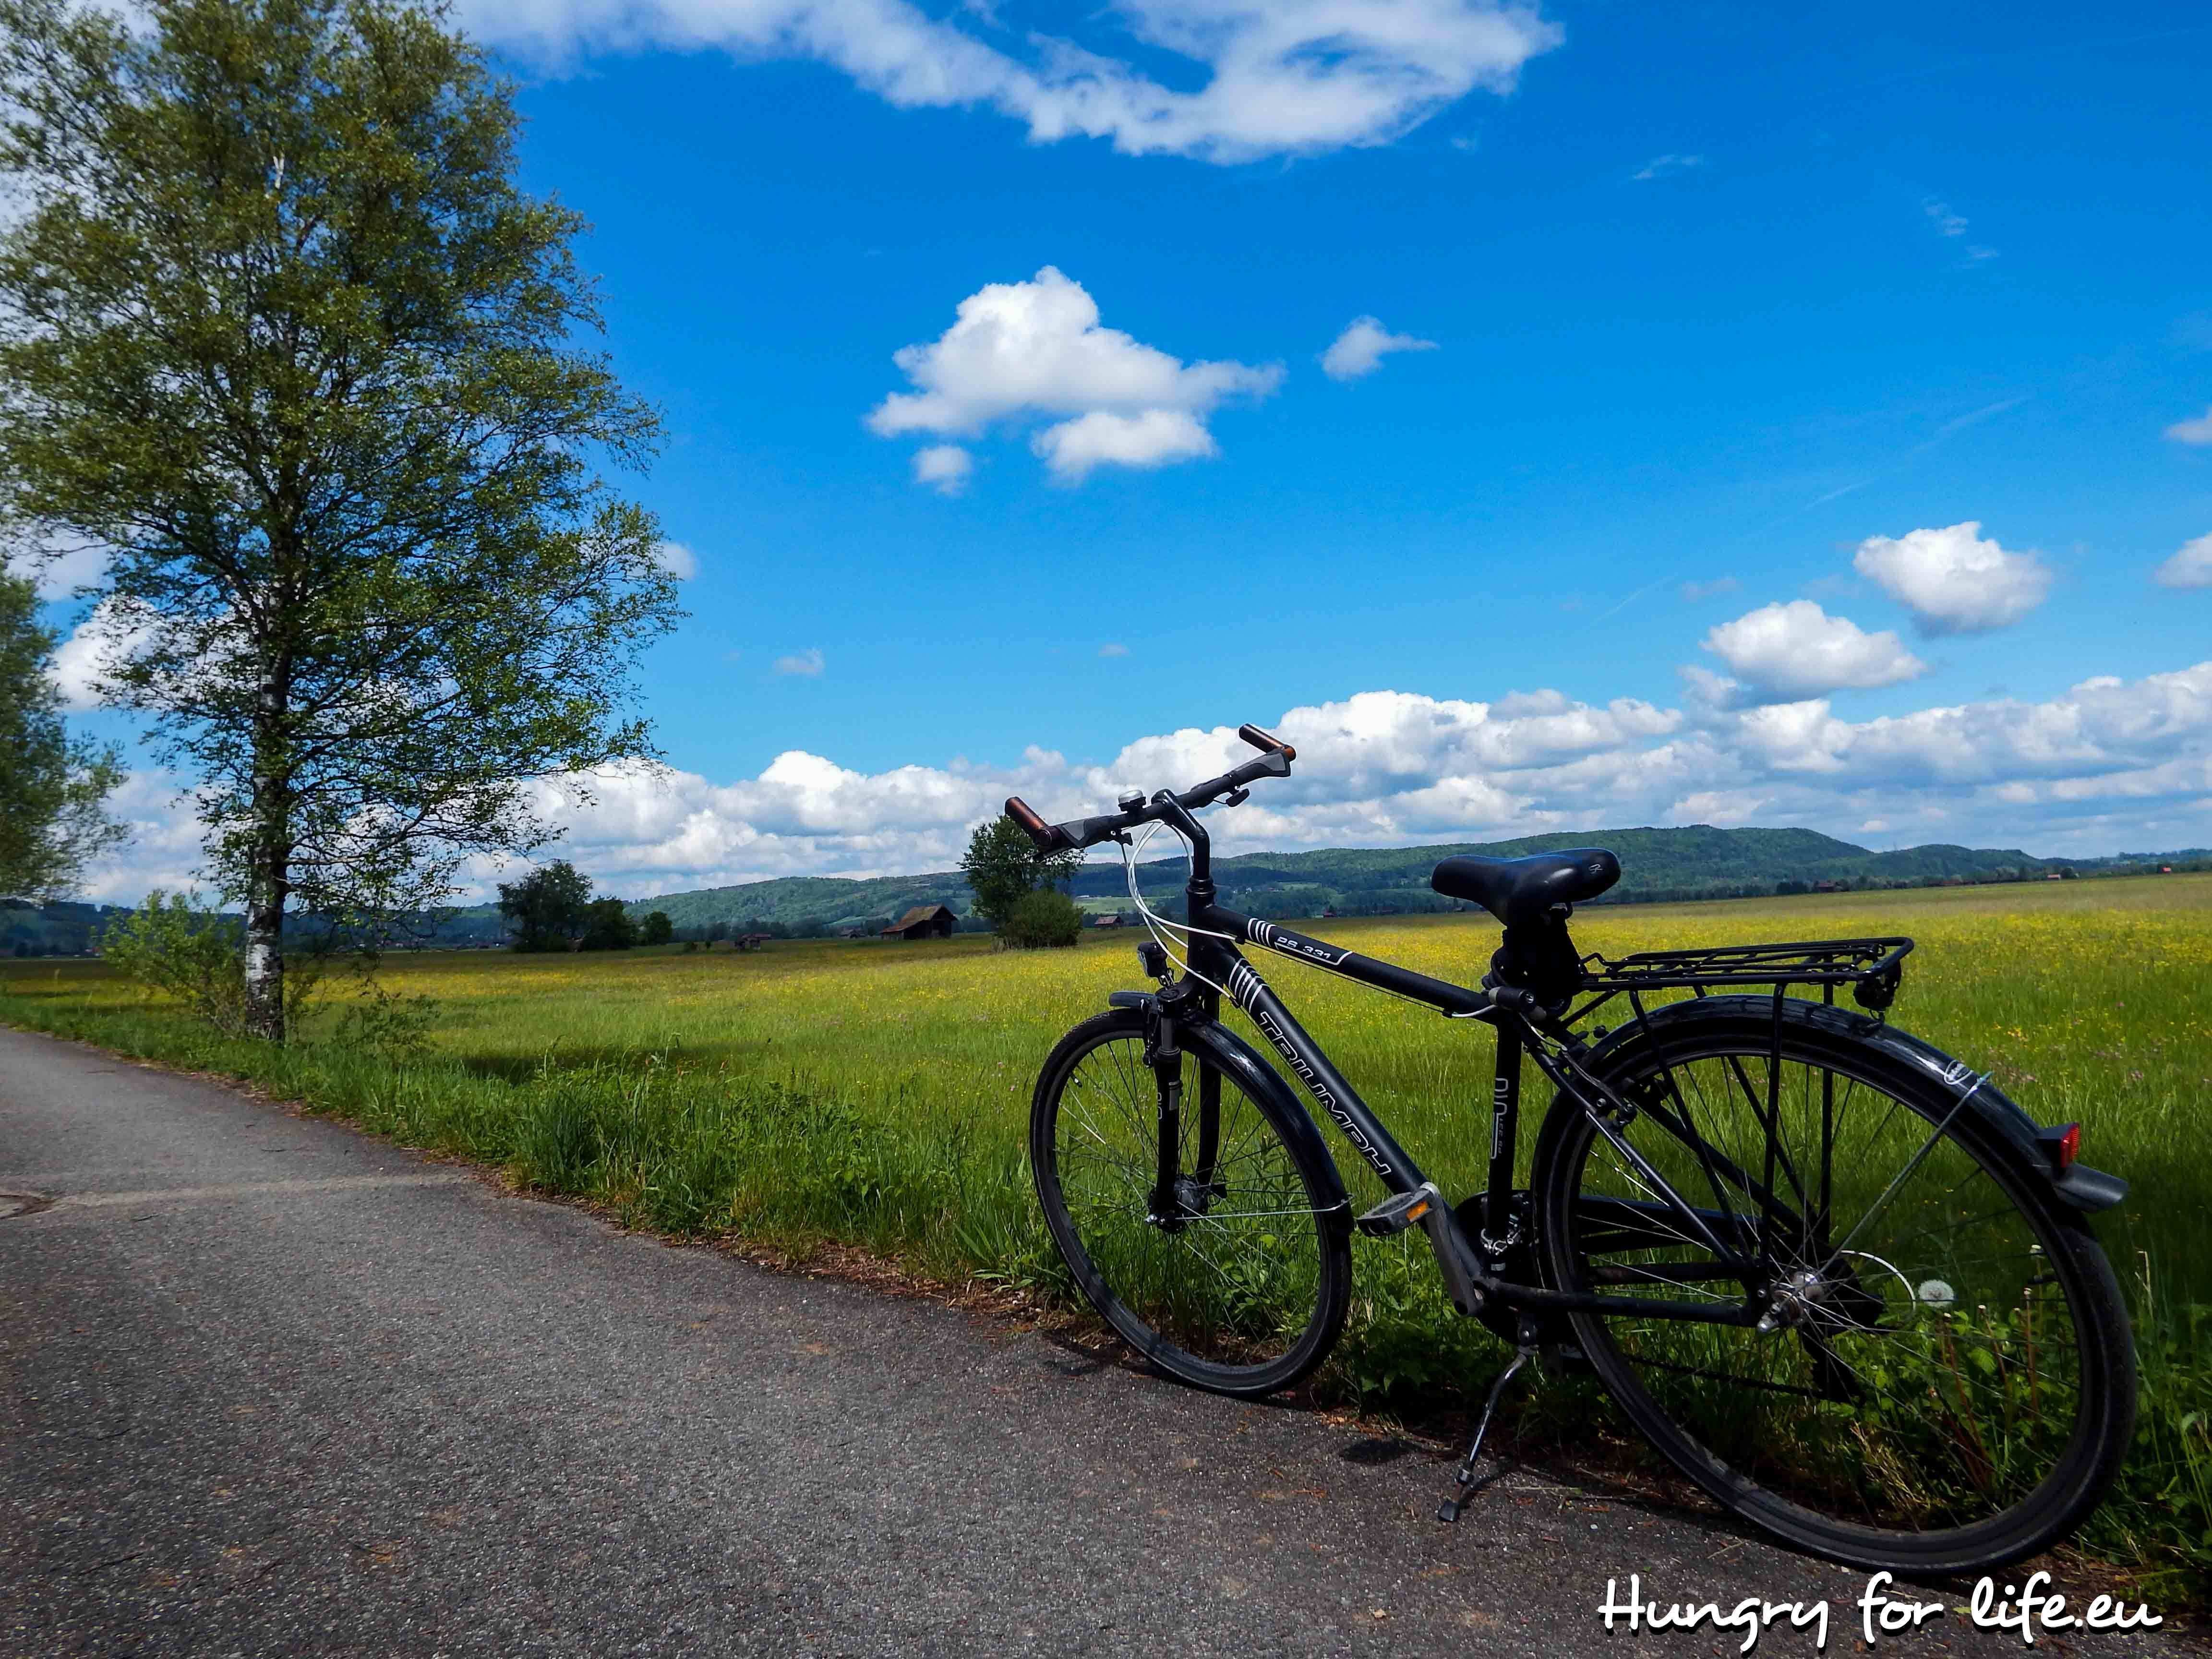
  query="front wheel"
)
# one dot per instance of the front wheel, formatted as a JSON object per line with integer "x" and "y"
{"x": 1941, "y": 1379}
{"x": 1239, "y": 1282}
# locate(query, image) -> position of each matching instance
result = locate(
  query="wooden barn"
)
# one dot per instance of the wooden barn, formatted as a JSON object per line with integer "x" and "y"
{"x": 923, "y": 922}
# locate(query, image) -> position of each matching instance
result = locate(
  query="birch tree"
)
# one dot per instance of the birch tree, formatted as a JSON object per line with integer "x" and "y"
{"x": 279, "y": 329}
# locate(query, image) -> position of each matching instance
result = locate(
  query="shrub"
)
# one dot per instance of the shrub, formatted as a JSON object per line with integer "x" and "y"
{"x": 1043, "y": 918}
{"x": 658, "y": 929}
{"x": 175, "y": 946}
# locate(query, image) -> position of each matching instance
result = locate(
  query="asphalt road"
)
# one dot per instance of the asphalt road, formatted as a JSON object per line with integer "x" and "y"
{"x": 268, "y": 1386}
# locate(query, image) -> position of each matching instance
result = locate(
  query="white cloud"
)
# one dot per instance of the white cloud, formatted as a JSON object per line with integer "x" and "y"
{"x": 2199, "y": 431}
{"x": 1952, "y": 225}
{"x": 2105, "y": 765}
{"x": 1947, "y": 222}
{"x": 2104, "y": 736}
{"x": 2190, "y": 568}
{"x": 1290, "y": 77}
{"x": 1954, "y": 580}
{"x": 1152, "y": 437}
{"x": 944, "y": 468}
{"x": 1021, "y": 351}
{"x": 1782, "y": 653}
{"x": 1660, "y": 166}
{"x": 93, "y": 649}
{"x": 164, "y": 849}
{"x": 76, "y": 668}
{"x": 58, "y": 568}
{"x": 807, "y": 663}
{"x": 1694, "y": 591}
{"x": 677, "y": 560}
{"x": 1361, "y": 348}
{"x": 1113, "y": 648}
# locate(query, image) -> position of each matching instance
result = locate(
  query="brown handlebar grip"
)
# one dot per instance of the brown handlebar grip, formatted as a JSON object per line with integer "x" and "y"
{"x": 1267, "y": 741}
{"x": 1023, "y": 814}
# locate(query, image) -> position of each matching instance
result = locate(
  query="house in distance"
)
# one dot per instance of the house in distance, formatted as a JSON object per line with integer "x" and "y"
{"x": 923, "y": 922}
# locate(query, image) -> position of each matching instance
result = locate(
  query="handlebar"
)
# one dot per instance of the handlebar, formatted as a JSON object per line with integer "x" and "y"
{"x": 1080, "y": 832}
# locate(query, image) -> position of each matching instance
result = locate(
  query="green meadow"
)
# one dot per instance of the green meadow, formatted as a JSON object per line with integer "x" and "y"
{"x": 875, "y": 1095}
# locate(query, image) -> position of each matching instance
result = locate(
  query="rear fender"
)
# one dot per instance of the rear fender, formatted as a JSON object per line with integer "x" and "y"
{"x": 2077, "y": 1186}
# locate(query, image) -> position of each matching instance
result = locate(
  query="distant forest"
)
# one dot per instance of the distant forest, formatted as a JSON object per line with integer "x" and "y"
{"x": 1658, "y": 867}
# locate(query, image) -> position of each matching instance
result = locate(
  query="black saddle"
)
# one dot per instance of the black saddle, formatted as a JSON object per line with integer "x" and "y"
{"x": 1520, "y": 891}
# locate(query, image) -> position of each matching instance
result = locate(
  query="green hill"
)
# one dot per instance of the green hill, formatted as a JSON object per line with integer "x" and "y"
{"x": 1700, "y": 861}
{"x": 809, "y": 904}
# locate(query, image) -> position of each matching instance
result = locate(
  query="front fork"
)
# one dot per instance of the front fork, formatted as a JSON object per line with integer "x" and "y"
{"x": 1174, "y": 1198}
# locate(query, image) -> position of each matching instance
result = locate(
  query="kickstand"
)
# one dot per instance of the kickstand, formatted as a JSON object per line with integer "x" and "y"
{"x": 1448, "y": 1510}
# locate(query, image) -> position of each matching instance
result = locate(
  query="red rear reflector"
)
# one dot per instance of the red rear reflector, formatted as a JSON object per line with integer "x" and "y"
{"x": 2070, "y": 1144}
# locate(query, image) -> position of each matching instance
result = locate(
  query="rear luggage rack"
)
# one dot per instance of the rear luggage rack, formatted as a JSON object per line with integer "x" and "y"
{"x": 1872, "y": 967}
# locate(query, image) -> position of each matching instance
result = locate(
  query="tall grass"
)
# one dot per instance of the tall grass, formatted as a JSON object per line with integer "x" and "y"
{"x": 875, "y": 1096}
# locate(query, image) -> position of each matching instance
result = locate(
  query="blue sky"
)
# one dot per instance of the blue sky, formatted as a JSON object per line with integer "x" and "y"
{"x": 1719, "y": 308}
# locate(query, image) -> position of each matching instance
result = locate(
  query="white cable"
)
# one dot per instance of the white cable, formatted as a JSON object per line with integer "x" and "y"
{"x": 1155, "y": 924}
{"x": 1158, "y": 924}
{"x": 1128, "y": 865}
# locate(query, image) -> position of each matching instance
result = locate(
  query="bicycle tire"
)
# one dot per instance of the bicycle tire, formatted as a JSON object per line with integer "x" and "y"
{"x": 1245, "y": 1309}
{"x": 1901, "y": 1414}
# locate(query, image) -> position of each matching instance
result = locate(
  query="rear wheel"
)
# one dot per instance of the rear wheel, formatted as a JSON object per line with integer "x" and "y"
{"x": 1241, "y": 1284}
{"x": 1943, "y": 1378}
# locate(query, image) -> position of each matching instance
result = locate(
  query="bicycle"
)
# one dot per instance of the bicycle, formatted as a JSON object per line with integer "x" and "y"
{"x": 1836, "y": 1277}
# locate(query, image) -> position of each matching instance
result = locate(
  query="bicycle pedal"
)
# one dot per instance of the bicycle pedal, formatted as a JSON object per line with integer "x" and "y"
{"x": 1400, "y": 1210}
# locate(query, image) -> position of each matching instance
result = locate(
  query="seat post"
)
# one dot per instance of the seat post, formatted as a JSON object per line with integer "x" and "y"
{"x": 1505, "y": 1137}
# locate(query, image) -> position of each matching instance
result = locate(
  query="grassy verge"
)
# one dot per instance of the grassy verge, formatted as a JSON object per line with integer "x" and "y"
{"x": 873, "y": 1096}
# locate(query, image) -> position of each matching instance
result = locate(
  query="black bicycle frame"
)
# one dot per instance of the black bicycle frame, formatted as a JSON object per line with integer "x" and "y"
{"x": 1470, "y": 1274}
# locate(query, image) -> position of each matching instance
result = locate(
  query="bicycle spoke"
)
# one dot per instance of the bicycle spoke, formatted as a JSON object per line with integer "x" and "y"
{"x": 1902, "y": 1176}
{"x": 1893, "y": 1378}
{"x": 1230, "y": 1273}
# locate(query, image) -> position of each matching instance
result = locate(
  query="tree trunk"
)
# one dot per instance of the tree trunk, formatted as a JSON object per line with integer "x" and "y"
{"x": 269, "y": 867}
{"x": 264, "y": 941}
